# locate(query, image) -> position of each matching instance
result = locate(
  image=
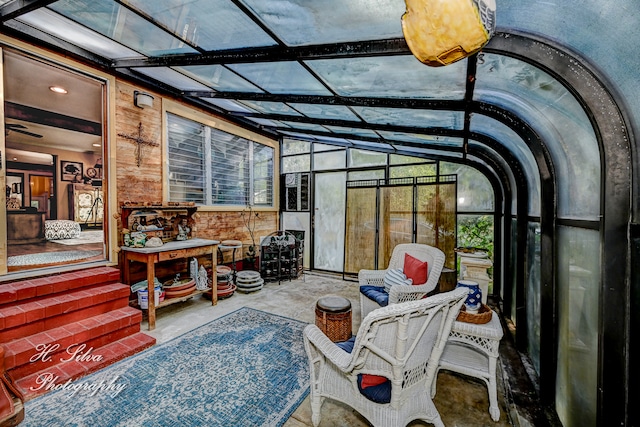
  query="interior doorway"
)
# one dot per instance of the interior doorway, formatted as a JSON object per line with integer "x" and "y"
{"x": 53, "y": 140}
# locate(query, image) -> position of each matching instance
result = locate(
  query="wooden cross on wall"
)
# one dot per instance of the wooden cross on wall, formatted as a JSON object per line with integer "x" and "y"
{"x": 140, "y": 141}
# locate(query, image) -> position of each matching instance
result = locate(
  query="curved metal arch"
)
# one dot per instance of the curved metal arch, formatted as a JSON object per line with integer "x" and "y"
{"x": 619, "y": 204}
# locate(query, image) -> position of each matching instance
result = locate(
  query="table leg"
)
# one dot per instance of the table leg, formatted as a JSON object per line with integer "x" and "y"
{"x": 151, "y": 293}
{"x": 214, "y": 275}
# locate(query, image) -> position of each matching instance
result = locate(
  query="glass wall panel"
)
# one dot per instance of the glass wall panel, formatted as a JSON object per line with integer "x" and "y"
{"x": 474, "y": 189}
{"x": 299, "y": 221}
{"x": 436, "y": 218}
{"x": 360, "y": 158}
{"x": 361, "y": 229}
{"x": 395, "y": 159}
{"x": 330, "y": 160}
{"x": 296, "y": 163}
{"x": 425, "y": 169}
{"x": 477, "y": 231}
{"x": 328, "y": 242}
{"x": 532, "y": 294}
{"x": 558, "y": 118}
{"x": 368, "y": 174}
{"x": 509, "y": 139}
{"x": 293, "y": 146}
{"x": 396, "y": 220}
{"x": 578, "y": 302}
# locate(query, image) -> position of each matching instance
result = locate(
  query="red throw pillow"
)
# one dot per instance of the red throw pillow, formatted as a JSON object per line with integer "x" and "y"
{"x": 415, "y": 269}
{"x": 369, "y": 380}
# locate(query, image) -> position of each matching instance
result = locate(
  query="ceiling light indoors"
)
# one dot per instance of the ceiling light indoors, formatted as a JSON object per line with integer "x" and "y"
{"x": 96, "y": 144}
{"x": 440, "y": 32}
{"x": 57, "y": 89}
{"x": 142, "y": 99}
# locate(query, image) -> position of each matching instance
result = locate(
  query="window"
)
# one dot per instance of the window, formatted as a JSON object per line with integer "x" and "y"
{"x": 216, "y": 168}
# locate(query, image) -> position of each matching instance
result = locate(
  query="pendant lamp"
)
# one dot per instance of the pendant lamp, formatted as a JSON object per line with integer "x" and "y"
{"x": 440, "y": 32}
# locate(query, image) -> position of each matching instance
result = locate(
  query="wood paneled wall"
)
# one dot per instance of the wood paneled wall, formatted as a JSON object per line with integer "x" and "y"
{"x": 145, "y": 183}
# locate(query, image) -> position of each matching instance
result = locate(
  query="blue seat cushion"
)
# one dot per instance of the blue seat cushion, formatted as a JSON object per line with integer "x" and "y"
{"x": 375, "y": 293}
{"x": 373, "y": 387}
{"x": 379, "y": 393}
{"x": 347, "y": 345}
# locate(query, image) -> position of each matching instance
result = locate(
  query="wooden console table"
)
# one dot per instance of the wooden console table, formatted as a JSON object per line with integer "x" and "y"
{"x": 169, "y": 251}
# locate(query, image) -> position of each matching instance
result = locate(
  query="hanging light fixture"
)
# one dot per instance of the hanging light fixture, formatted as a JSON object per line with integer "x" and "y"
{"x": 440, "y": 32}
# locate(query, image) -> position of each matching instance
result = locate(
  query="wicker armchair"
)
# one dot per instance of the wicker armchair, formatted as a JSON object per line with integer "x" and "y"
{"x": 433, "y": 256}
{"x": 402, "y": 343}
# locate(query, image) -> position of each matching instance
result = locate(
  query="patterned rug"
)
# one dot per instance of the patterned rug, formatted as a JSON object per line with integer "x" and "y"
{"x": 46, "y": 258}
{"x": 87, "y": 236}
{"x": 247, "y": 368}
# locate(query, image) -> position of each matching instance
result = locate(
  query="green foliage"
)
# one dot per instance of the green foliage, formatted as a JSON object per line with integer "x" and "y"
{"x": 476, "y": 231}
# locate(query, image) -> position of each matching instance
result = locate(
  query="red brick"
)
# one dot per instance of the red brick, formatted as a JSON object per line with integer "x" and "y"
{"x": 21, "y": 331}
{"x": 13, "y": 316}
{"x": 26, "y": 291}
{"x": 7, "y": 294}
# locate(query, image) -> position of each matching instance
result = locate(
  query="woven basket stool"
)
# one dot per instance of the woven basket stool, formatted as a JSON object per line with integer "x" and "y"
{"x": 333, "y": 317}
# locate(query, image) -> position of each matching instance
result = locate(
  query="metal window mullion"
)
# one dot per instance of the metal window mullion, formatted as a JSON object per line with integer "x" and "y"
{"x": 208, "y": 187}
{"x": 251, "y": 193}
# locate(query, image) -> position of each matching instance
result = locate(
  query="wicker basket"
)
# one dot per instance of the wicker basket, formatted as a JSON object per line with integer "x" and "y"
{"x": 483, "y": 316}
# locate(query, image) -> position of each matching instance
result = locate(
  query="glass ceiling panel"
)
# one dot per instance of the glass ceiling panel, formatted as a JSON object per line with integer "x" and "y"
{"x": 69, "y": 31}
{"x": 307, "y": 126}
{"x": 219, "y": 78}
{"x": 229, "y": 105}
{"x": 558, "y": 118}
{"x": 265, "y": 122}
{"x": 119, "y": 23}
{"x": 304, "y": 22}
{"x": 511, "y": 141}
{"x": 411, "y": 117}
{"x": 171, "y": 77}
{"x": 371, "y": 145}
{"x": 268, "y": 107}
{"x": 354, "y": 131}
{"x": 393, "y": 76}
{"x": 445, "y": 141}
{"x": 319, "y": 111}
{"x": 426, "y": 152}
{"x": 210, "y": 24}
{"x": 287, "y": 77}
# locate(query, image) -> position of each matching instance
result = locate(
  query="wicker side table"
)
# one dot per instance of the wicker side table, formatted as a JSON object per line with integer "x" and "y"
{"x": 333, "y": 317}
{"x": 472, "y": 349}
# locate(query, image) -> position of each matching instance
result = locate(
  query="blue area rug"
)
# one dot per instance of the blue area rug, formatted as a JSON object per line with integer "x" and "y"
{"x": 247, "y": 368}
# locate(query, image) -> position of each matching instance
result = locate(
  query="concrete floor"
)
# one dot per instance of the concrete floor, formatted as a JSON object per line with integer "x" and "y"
{"x": 461, "y": 401}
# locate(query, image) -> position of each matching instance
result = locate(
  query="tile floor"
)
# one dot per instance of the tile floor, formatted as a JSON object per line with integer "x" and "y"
{"x": 461, "y": 401}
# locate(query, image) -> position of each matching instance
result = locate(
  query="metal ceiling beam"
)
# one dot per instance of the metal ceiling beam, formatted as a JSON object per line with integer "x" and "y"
{"x": 356, "y": 101}
{"x": 388, "y": 47}
{"x": 358, "y": 125}
{"x": 430, "y": 146}
{"x": 15, "y": 8}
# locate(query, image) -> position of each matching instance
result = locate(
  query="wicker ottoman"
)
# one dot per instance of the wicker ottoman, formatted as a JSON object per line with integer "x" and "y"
{"x": 333, "y": 317}
{"x": 56, "y": 229}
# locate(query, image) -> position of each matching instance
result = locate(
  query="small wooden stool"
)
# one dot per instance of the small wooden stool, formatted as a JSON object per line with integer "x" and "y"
{"x": 333, "y": 317}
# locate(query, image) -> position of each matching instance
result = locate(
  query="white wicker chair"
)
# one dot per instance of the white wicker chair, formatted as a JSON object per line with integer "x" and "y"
{"x": 402, "y": 342}
{"x": 399, "y": 293}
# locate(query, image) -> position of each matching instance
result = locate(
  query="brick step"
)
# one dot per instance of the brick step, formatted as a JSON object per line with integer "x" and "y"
{"x": 42, "y": 286}
{"x": 75, "y": 369}
{"x": 114, "y": 298}
{"x": 95, "y": 331}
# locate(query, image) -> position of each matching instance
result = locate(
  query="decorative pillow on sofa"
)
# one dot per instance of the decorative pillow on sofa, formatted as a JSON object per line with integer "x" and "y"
{"x": 394, "y": 276}
{"x": 415, "y": 269}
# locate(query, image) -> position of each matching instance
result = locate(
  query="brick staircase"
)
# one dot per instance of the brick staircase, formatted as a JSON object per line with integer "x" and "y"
{"x": 67, "y": 325}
